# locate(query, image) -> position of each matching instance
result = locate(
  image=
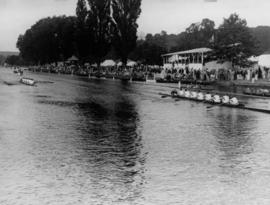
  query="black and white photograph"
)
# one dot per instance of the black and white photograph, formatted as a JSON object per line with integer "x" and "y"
{"x": 134, "y": 102}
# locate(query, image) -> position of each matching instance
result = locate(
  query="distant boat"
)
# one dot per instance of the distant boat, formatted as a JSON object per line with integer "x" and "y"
{"x": 138, "y": 76}
{"x": 28, "y": 81}
{"x": 125, "y": 76}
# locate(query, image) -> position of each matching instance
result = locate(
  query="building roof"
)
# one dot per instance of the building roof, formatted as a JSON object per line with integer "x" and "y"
{"x": 196, "y": 50}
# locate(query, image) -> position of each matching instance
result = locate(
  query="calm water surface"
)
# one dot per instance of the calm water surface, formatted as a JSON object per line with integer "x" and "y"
{"x": 82, "y": 141}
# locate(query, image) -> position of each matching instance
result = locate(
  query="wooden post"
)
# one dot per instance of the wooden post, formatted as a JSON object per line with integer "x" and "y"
{"x": 202, "y": 60}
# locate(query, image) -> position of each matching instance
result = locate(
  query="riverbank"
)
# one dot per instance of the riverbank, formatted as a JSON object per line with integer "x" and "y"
{"x": 262, "y": 83}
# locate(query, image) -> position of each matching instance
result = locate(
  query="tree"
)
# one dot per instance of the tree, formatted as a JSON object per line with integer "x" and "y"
{"x": 98, "y": 23}
{"x": 234, "y": 41}
{"x": 82, "y": 35}
{"x": 262, "y": 35}
{"x": 124, "y": 15}
{"x": 199, "y": 34}
{"x": 15, "y": 60}
{"x": 148, "y": 52}
{"x": 49, "y": 40}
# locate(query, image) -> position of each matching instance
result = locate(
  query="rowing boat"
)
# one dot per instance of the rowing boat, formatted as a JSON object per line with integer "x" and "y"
{"x": 239, "y": 106}
{"x": 209, "y": 102}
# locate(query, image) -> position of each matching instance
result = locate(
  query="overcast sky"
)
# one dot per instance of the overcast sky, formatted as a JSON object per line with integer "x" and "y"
{"x": 172, "y": 16}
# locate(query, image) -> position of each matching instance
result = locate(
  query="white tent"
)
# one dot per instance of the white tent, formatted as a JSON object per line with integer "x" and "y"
{"x": 108, "y": 63}
{"x": 131, "y": 63}
{"x": 264, "y": 60}
{"x": 254, "y": 58}
{"x": 119, "y": 63}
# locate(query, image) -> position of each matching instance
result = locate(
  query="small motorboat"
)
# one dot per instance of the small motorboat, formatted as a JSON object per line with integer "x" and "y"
{"x": 28, "y": 81}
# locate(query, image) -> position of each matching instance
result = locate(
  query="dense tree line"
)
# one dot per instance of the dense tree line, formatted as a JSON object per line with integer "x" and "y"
{"x": 232, "y": 40}
{"x": 15, "y": 60}
{"x": 49, "y": 40}
{"x": 262, "y": 35}
{"x": 108, "y": 29}
{"x": 99, "y": 26}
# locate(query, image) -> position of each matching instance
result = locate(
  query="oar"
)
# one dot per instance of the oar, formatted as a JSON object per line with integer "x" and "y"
{"x": 215, "y": 105}
{"x": 163, "y": 95}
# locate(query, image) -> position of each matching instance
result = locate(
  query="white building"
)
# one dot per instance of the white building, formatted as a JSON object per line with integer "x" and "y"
{"x": 196, "y": 59}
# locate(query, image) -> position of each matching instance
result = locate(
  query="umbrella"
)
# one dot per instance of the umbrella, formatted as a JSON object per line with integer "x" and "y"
{"x": 131, "y": 63}
{"x": 108, "y": 63}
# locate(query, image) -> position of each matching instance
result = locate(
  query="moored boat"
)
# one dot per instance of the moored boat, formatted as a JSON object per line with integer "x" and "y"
{"x": 257, "y": 92}
{"x": 125, "y": 76}
{"x": 198, "y": 82}
{"x": 28, "y": 81}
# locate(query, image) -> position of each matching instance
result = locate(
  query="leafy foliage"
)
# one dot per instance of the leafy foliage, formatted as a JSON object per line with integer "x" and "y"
{"x": 82, "y": 40}
{"x": 49, "y": 40}
{"x": 98, "y": 23}
{"x": 108, "y": 28}
{"x": 15, "y": 60}
{"x": 124, "y": 15}
{"x": 233, "y": 41}
{"x": 262, "y": 35}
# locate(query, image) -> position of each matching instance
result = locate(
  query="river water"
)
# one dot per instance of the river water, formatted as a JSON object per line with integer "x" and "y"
{"x": 85, "y": 141}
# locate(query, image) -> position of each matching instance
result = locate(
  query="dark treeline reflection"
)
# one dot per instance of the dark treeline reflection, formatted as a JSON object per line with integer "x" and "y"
{"x": 110, "y": 142}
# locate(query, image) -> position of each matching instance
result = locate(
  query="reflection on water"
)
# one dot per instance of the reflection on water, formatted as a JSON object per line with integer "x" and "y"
{"x": 85, "y": 141}
{"x": 234, "y": 142}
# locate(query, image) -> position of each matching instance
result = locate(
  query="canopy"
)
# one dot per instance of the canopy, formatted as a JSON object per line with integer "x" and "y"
{"x": 131, "y": 63}
{"x": 264, "y": 60}
{"x": 119, "y": 63}
{"x": 253, "y": 59}
{"x": 196, "y": 50}
{"x": 108, "y": 63}
{"x": 73, "y": 58}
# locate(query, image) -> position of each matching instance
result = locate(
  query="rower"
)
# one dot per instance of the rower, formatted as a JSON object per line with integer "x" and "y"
{"x": 225, "y": 99}
{"x": 216, "y": 98}
{"x": 200, "y": 96}
{"x": 187, "y": 94}
{"x": 208, "y": 97}
{"x": 234, "y": 101}
{"x": 247, "y": 90}
{"x": 194, "y": 94}
{"x": 174, "y": 92}
{"x": 180, "y": 92}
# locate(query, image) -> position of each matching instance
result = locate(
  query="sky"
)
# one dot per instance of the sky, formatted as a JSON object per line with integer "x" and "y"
{"x": 173, "y": 16}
